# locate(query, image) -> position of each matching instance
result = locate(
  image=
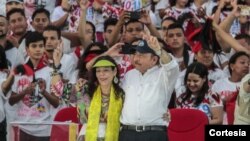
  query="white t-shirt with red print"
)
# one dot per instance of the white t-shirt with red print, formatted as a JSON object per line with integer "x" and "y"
{"x": 175, "y": 12}
{"x": 210, "y": 100}
{"x": 31, "y": 5}
{"x": 33, "y": 108}
{"x": 213, "y": 75}
{"x": 225, "y": 88}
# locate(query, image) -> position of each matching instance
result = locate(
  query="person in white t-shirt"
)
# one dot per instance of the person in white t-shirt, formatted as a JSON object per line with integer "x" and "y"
{"x": 31, "y": 94}
{"x": 198, "y": 94}
{"x": 56, "y": 59}
{"x": 64, "y": 63}
{"x": 227, "y": 87}
{"x": 31, "y": 5}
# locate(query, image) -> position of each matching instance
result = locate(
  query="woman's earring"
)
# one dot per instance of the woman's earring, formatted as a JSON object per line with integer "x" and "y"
{"x": 115, "y": 80}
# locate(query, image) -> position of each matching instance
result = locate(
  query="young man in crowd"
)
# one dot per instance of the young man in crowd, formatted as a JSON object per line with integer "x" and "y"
{"x": 18, "y": 26}
{"x": 64, "y": 63}
{"x": 13, "y": 55}
{"x": 40, "y": 20}
{"x": 31, "y": 96}
{"x": 109, "y": 26}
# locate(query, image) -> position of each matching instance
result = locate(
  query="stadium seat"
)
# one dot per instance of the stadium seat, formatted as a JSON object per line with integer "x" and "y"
{"x": 187, "y": 125}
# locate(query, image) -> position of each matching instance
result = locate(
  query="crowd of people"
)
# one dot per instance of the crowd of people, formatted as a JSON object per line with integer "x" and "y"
{"x": 122, "y": 64}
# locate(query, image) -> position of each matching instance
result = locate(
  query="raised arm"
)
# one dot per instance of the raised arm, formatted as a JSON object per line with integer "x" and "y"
{"x": 114, "y": 51}
{"x": 217, "y": 13}
{"x": 228, "y": 21}
{"x": 119, "y": 25}
{"x": 154, "y": 44}
{"x": 229, "y": 39}
{"x": 146, "y": 19}
{"x": 82, "y": 24}
{"x": 6, "y": 85}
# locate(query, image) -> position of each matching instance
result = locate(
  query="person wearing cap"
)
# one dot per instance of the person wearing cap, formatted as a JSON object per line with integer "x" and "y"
{"x": 12, "y": 4}
{"x": 102, "y": 100}
{"x": 148, "y": 88}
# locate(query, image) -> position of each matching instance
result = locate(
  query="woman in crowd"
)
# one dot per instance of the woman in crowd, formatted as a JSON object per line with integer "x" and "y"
{"x": 227, "y": 87}
{"x": 198, "y": 94}
{"x": 100, "y": 101}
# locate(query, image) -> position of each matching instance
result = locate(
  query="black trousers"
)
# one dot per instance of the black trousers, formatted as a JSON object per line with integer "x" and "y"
{"x": 3, "y": 130}
{"x": 26, "y": 137}
{"x": 130, "y": 135}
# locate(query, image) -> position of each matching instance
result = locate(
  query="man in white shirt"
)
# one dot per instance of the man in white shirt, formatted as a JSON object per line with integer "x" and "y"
{"x": 64, "y": 63}
{"x": 12, "y": 54}
{"x": 148, "y": 90}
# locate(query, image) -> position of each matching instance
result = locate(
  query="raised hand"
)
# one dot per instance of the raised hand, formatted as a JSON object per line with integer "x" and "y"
{"x": 57, "y": 54}
{"x": 115, "y": 50}
{"x": 124, "y": 16}
{"x": 30, "y": 89}
{"x": 152, "y": 42}
{"x": 65, "y": 5}
{"x": 221, "y": 4}
{"x": 236, "y": 9}
{"x": 167, "y": 116}
{"x": 145, "y": 17}
{"x": 79, "y": 84}
{"x": 13, "y": 40}
{"x": 84, "y": 4}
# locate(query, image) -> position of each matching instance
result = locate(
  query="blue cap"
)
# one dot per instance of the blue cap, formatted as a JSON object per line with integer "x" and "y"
{"x": 143, "y": 47}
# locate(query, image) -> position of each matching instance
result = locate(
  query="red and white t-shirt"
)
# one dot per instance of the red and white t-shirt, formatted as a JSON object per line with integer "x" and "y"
{"x": 210, "y": 100}
{"x": 34, "y": 107}
{"x": 225, "y": 88}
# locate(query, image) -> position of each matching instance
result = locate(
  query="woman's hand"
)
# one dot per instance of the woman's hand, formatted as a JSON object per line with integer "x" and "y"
{"x": 79, "y": 84}
{"x": 167, "y": 116}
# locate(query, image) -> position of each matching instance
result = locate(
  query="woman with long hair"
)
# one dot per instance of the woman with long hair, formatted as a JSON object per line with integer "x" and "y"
{"x": 100, "y": 101}
{"x": 198, "y": 94}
